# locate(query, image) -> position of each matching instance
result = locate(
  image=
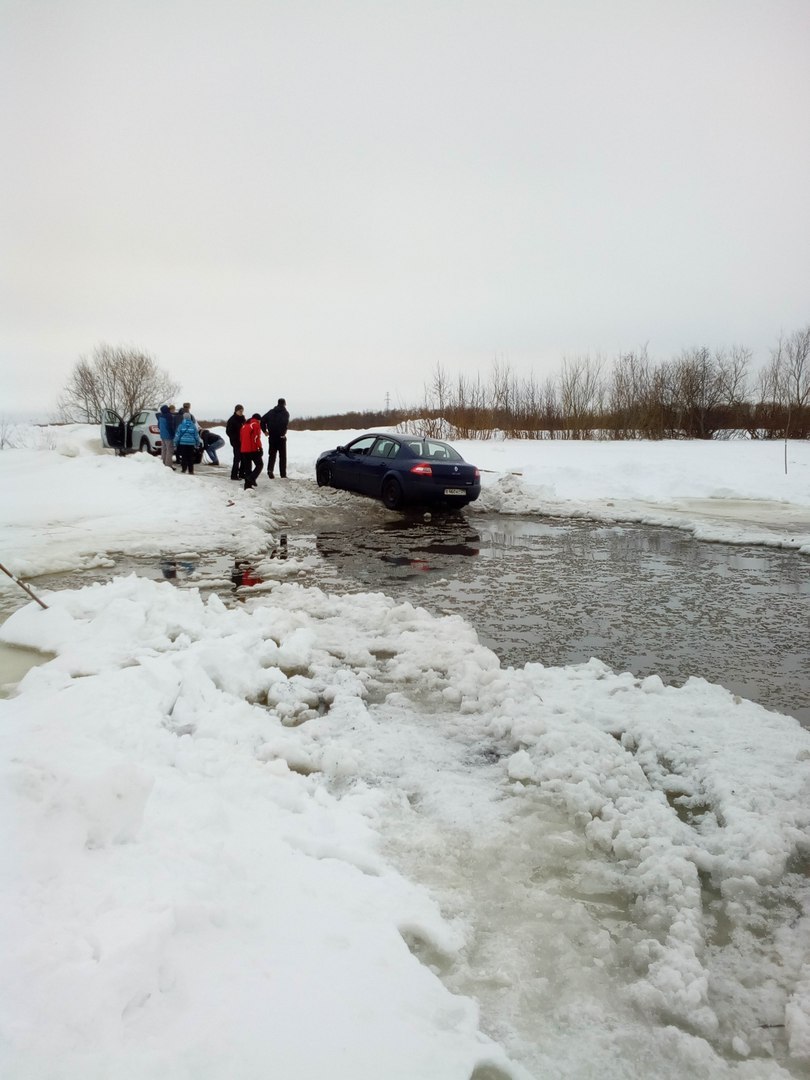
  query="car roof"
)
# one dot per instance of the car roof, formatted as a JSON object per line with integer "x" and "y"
{"x": 399, "y": 437}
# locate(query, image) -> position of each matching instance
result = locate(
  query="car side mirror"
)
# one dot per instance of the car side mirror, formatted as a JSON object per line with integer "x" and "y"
{"x": 341, "y": 449}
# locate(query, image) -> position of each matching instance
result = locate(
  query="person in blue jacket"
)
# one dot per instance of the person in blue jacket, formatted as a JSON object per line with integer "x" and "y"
{"x": 166, "y": 425}
{"x": 187, "y": 439}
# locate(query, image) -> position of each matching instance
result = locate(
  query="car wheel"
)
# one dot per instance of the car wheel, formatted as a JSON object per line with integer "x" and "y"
{"x": 144, "y": 446}
{"x": 392, "y": 494}
{"x": 324, "y": 476}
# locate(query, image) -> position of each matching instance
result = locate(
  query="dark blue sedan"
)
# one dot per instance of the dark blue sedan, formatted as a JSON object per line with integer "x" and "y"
{"x": 400, "y": 469}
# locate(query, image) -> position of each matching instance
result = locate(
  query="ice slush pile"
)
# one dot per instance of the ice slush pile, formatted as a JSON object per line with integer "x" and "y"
{"x": 193, "y": 804}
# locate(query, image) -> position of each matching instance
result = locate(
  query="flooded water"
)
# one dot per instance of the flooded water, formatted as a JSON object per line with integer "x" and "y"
{"x": 642, "y": 599}
{"x": 14, "y": 663}
{"x": 548, "y": 919}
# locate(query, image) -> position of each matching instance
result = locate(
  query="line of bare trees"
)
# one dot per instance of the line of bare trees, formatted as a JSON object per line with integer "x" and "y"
{"x": 701, "y": 394}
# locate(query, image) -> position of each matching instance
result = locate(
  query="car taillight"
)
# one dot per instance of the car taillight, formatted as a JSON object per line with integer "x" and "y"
{"x": 154, "y": 429}
{"x": 422, "y": 469}
{"x": 477, "y": 474}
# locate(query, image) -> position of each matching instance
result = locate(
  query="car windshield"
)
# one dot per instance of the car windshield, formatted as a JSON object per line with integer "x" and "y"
{"x": 432, "y": 450}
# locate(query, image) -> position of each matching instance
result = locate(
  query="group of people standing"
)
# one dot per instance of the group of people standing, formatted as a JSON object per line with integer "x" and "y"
{"x": 181, "y": 438}
{"x": 245, "y": 436}
{"x": 180, "y": 435}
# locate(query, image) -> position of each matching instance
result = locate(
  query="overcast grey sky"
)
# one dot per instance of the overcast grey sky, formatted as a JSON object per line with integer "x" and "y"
{"x": 323, "y": 200}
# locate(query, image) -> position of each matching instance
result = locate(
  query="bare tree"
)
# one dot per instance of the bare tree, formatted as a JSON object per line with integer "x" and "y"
{"x": 501, "y": 393}
{"x": 796, "y": 379}
{"x": 734, "y": 411}
{"x": 117, "y": 377}
{"x": 769, "y": 420}
{"x": 467, "y": 411}
{"x": 732, "y": 374}
{"x": 550, "y": 410}
{"x": 581, "y": 395}
{"x": 437, "y": 399}
{"x": 698, "y": 393}
{"x": 526, "y": 419}
{"x": 628, "y": 391}
{"x": 783, "y": 408}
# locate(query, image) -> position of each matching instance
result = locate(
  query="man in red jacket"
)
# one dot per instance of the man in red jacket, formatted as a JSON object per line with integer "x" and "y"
{"x": 250, "y": 440}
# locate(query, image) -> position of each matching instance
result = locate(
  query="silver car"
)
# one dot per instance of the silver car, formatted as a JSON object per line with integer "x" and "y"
{"x": 140, "y": 432}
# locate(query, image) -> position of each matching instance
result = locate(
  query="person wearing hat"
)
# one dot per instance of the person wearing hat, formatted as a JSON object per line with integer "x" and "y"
{"x": 187, "y": 440}
{"x": 178, "y": 419}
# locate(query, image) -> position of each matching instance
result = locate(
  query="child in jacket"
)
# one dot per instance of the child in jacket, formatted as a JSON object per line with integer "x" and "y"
{"x": 187, "y": 440}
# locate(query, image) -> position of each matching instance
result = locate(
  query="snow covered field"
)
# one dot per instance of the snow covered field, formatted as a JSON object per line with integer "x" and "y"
{"x": 319, "y": 836}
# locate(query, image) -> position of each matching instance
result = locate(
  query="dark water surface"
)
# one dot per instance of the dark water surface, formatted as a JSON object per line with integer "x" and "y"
{"x": 642, "y": 599}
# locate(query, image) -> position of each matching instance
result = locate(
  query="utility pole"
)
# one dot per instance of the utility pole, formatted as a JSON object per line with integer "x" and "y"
{"x": 387, "y": 402}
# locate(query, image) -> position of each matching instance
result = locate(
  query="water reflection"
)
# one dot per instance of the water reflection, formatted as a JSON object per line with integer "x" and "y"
{"x": 400, "y": 550}
{"x": 402, "y": 560}
{"x": 172, "y": 569}
{"x": 646, "y": 600}
{"x": 643, "y": 599}
{"x": 244, "y": 575}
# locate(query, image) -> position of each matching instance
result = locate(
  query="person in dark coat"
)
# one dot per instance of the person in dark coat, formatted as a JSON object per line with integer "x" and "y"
{"x": 211, "y": 443}
{"x": 274, "y": 425}
{"x": 187, "y": 440}
{"x": 251, "y": 446}
{"x": 232, "y": 429}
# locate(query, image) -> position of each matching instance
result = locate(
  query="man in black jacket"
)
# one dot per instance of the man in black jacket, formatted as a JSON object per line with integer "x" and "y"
{"x": 274, "y": 425}
{"x": 232, "y": 430}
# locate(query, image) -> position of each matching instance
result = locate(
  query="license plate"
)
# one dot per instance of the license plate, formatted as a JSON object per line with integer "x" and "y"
{"x": 455, "y": 491}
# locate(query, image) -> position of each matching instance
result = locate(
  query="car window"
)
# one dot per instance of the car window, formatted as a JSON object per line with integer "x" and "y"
{"x": 439, "y": 451}
{"x": 415, "y": 446}
{"x": 384, "y": 448}
{"x": 361, "y": 446}
{"x": 142, "y": 418}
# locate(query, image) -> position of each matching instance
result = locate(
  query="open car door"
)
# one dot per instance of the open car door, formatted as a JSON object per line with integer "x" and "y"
{"x": 113, "y": 430}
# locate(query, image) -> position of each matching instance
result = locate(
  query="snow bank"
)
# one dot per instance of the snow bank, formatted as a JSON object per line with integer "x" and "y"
{"x": 68, "y": 504}
{"x": 194, "y": 883}
{"x": 733, "y": 492}
{"x": 183, "y": 896}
